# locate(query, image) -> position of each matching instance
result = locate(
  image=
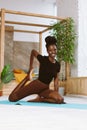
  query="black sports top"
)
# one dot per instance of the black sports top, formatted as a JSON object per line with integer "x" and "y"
{"x": 47, "y": 70}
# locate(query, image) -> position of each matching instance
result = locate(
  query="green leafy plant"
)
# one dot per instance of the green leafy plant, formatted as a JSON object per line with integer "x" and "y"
{"x": 6, "y": 75}
{"x": 64, "y": 32}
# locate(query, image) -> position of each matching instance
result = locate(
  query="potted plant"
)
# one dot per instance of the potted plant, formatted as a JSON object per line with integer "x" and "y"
{"x": 64, "y": 32}
{"x": 6, "y": 76}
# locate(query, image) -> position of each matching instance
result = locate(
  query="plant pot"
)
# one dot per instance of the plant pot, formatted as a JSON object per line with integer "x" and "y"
{"x": 1, "y": 88}
{"x": 61, "y": 91}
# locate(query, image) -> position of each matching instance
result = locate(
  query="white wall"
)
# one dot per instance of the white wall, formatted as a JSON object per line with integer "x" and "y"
{"x": 82, "y": 48}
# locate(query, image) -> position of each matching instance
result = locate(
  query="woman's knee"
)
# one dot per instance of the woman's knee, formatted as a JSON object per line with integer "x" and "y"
{"x": 12, "y": 98}
{"x": 58, "y": 98}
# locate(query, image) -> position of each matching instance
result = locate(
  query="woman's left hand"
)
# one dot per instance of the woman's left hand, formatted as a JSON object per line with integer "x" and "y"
{"x": 29, "y": 76}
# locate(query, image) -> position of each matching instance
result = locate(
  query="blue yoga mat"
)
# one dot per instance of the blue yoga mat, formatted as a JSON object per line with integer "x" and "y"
{"x": 25, "y": 103}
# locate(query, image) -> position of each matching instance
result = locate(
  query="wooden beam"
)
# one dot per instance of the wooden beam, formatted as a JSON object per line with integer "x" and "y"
{"x": 2, "y": 39}
{"x": 33, "y": 14}
{"x": 25, "y": 31}
{"x": 27, "y": 24}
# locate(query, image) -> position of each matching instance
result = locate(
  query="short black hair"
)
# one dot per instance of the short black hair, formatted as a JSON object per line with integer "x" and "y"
{"x": 50, "y": 40}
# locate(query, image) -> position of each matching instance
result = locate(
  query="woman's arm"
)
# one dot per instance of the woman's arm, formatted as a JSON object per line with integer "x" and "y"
{"x": 56, "y": 80}
{"x": 34, "y": 53}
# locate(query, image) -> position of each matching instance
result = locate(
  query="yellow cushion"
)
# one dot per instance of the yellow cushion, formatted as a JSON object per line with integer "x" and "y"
{"x": 18, "y": 71}
{"x": 20, "y": 77}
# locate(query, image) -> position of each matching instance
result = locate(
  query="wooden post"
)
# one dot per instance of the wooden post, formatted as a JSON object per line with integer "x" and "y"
{"x": 40, "y": 43}
{"x": 2, "y": 39}
{"x": 67, "y": 70}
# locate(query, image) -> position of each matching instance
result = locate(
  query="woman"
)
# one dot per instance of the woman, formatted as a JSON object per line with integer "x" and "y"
{"x": 48, "y": 70}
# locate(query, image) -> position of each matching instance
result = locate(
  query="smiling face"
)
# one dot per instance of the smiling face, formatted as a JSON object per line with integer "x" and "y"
{"x": 52, "y": 51}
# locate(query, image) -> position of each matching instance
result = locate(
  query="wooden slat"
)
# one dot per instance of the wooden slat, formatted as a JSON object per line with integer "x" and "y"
{"x": 77, "y": 85}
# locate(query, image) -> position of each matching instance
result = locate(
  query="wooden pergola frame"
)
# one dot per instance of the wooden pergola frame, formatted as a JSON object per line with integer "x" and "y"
{"x": 3, "y": 22}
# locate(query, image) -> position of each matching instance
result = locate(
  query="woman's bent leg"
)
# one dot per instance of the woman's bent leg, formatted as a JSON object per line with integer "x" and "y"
{"x": 34, "y": 87}
{"x": 51, "y": 96}
{"x": 13, "y": 96}
{"x": 48, "y": 95}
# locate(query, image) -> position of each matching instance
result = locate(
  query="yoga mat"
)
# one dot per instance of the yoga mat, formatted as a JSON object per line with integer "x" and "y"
{"x": 25, "y": 103}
